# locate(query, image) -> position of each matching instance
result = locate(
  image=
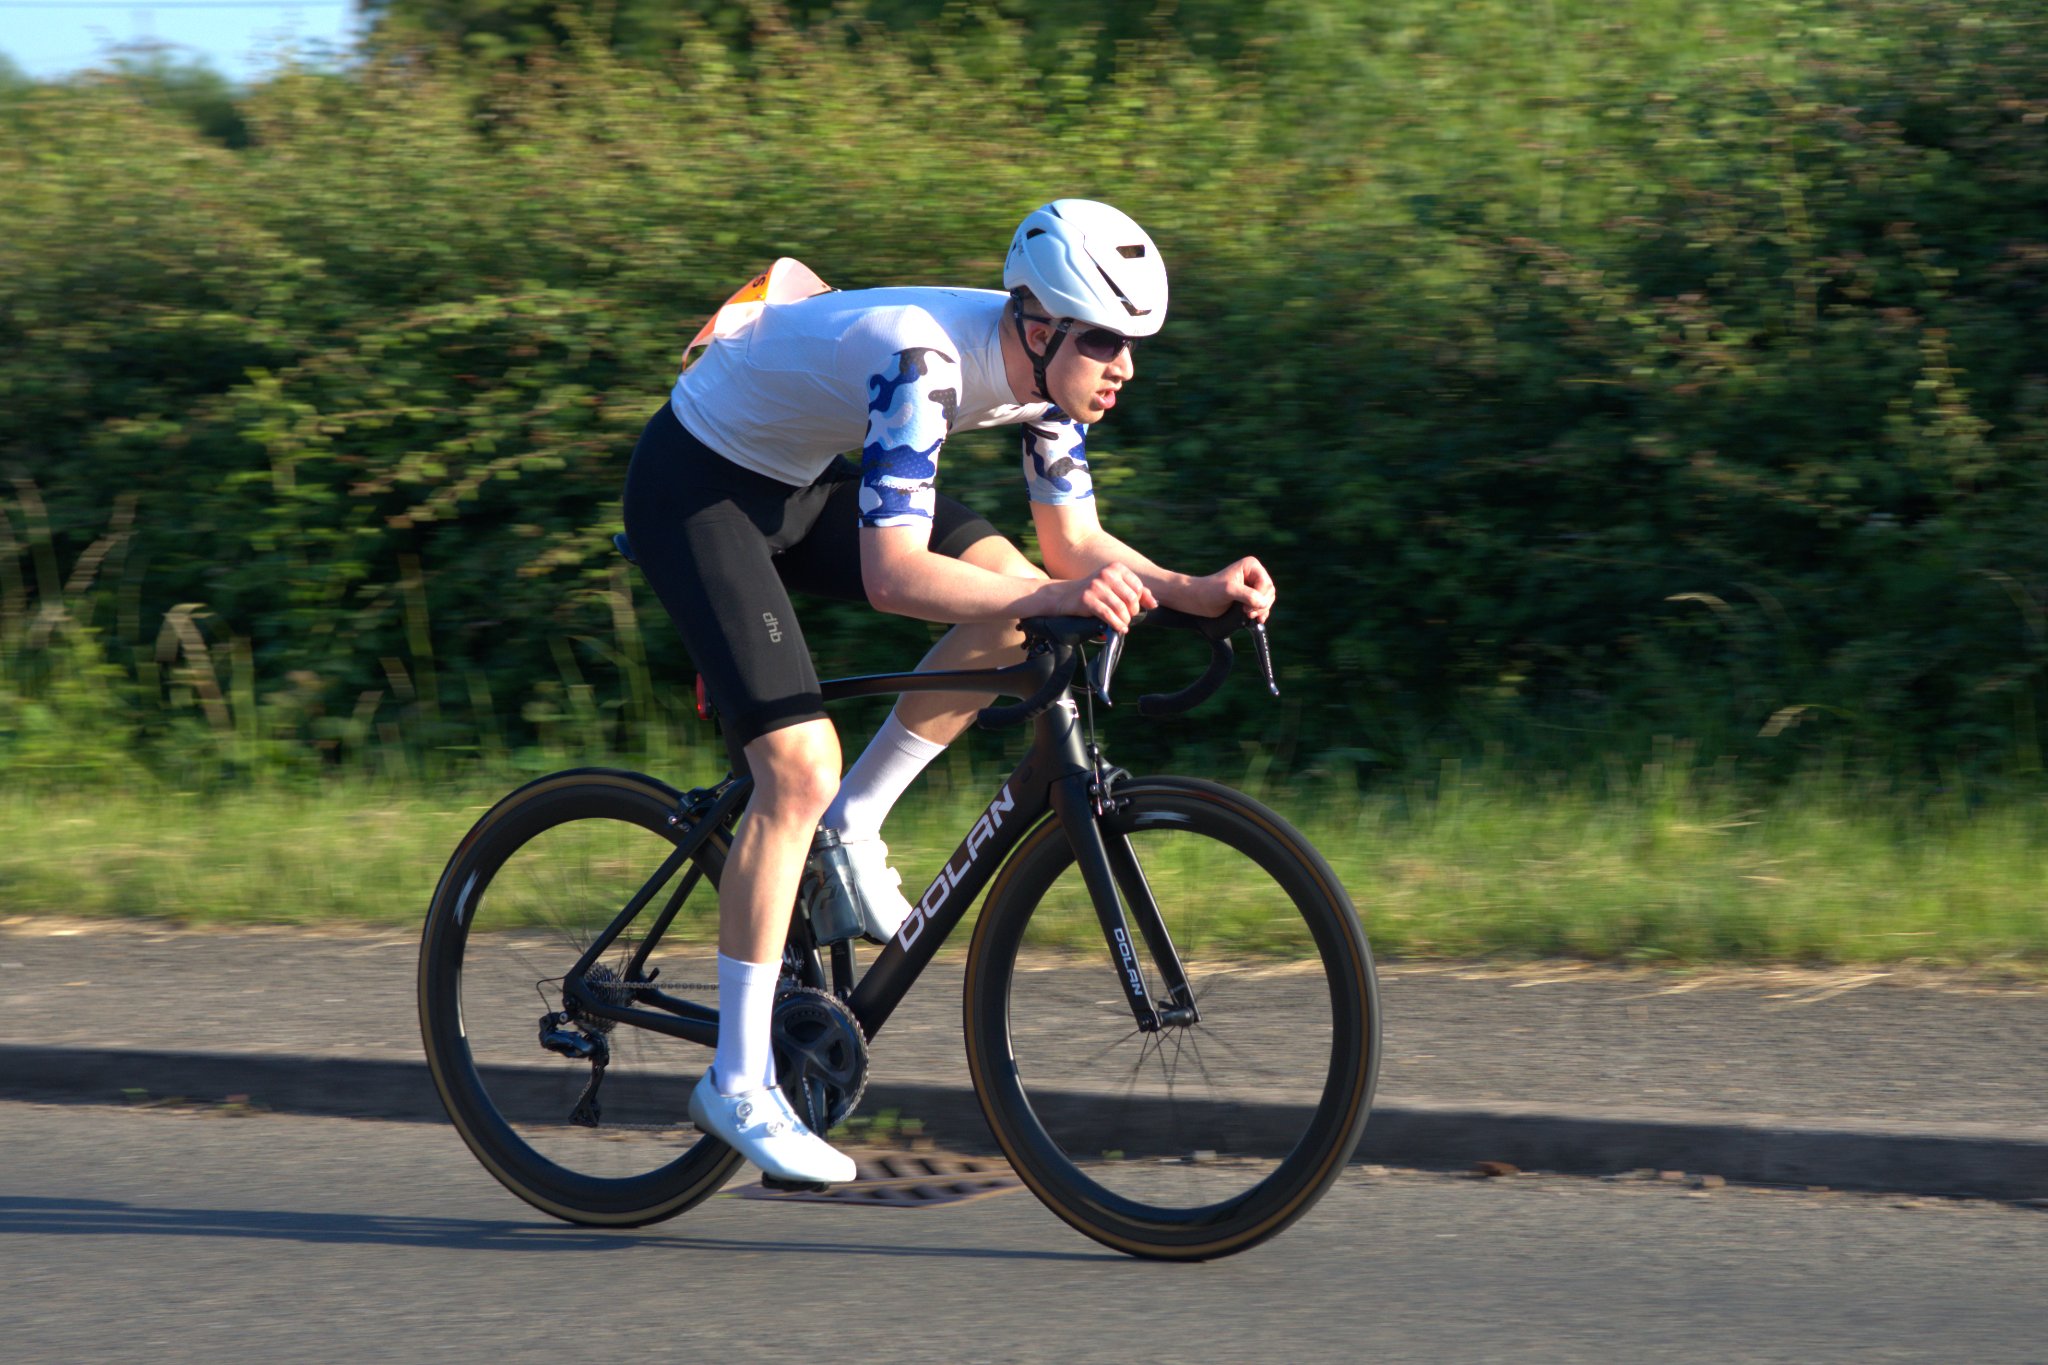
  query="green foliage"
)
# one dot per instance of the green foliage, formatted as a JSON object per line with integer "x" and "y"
{"x": 513, "y": 31}
{"x": 65, "y": 710}
{"x": 1581, "y": 379}
{"x": 187, "y": 89}
{"x": 492, "y": 32}
{"x": 156, "y": 77}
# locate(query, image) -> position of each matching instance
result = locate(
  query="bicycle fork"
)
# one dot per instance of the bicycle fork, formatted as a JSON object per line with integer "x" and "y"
{"x": 1115, "y": 882}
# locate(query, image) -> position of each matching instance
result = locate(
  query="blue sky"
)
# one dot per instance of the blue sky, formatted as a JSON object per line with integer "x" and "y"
{"x": 238, "y": 38}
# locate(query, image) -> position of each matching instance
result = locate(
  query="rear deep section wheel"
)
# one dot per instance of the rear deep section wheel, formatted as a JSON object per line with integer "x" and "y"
{"x": 580, "y": 1116}
{"x": 1214, "y": 1132}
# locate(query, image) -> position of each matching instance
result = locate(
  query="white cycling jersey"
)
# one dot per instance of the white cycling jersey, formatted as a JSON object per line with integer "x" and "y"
{"x": 892, "y": 372}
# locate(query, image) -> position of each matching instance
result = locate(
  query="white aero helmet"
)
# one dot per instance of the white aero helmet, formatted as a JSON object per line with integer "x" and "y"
{"x": 1087, "y": 261}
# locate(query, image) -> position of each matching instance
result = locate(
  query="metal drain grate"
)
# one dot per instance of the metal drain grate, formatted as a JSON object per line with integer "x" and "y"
{"x": 903, "y": 1180}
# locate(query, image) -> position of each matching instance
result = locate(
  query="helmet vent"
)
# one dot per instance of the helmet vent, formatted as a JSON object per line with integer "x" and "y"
{"x": 1035, "y": 232}
{"x": 1121, "y": 296}
{"x": 1131, "y": 253}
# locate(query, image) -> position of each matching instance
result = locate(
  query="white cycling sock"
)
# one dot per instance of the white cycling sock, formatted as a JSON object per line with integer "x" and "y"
{"x": 746, "y": 1014}
{"x": 885, "y": 769}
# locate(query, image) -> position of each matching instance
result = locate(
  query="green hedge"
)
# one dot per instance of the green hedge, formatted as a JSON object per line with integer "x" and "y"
{"x": 1581, "y": 381}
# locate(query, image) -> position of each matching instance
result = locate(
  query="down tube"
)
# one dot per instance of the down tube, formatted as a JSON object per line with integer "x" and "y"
{"x": 1019, "y": 805}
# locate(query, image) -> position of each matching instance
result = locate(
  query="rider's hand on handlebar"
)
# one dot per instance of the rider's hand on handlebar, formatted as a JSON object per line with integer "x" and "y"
{"x": 1245, "y": 582}
{"x": 1112, "y": 596}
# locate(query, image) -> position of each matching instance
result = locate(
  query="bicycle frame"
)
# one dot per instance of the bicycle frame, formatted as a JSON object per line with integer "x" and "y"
{"x": 1057, "y": 776}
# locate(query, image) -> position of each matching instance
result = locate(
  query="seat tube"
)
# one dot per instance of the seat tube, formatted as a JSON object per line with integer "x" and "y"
{"x": 1076, "y": 812}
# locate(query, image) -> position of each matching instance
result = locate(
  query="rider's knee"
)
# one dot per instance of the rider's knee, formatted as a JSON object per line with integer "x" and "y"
{"x": 796, "y": 770}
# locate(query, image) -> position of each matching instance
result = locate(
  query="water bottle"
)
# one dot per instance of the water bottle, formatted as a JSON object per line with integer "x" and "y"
{"x": 830, "y": 896}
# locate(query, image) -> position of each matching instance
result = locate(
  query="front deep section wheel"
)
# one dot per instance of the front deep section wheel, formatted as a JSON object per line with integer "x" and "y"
{"x": 1219, "y": 1129}
{"x": 582, "y": 1117}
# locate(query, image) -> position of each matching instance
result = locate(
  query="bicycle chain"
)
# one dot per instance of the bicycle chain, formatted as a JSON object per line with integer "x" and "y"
{"x": 684, "y": 1123}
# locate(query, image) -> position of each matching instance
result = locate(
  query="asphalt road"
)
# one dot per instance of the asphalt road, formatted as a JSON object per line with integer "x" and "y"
{"x": 1804, "y": 1045}
{"x": 169, "y": 1235}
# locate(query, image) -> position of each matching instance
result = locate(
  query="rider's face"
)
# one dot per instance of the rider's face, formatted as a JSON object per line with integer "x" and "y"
{"x": 1085, "y": 389}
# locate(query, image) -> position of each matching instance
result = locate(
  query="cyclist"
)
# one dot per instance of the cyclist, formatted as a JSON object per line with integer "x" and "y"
{"x": 737, "y": 493}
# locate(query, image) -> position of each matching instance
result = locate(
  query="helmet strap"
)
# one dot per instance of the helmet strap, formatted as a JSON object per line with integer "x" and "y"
{"x": 1039, "y": 360}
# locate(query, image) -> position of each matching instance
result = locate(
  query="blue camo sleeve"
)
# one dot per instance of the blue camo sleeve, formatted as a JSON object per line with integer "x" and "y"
{"x": 912, "y": 401}
{"x": 1056, "y": 460}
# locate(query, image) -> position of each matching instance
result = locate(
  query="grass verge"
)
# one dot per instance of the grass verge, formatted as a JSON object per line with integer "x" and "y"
{"x": 1663, "y": 868}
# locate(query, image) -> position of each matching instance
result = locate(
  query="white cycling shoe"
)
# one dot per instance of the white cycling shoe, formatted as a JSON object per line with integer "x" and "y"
{"x": 883, "y": 906}
{"x": 761, "y": 1127}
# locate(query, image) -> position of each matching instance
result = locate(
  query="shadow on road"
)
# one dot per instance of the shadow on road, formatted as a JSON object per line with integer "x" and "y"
{"x": 25, "y": 1216}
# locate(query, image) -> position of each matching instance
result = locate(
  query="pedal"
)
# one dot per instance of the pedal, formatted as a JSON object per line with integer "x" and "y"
{"x": 781, "y": 1186}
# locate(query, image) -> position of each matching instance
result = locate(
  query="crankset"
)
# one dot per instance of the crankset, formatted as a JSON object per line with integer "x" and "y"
{"x": 821, "y": 1055}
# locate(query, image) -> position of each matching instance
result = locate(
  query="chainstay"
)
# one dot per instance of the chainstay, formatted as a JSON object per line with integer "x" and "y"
{"x": 683, "y": 1124}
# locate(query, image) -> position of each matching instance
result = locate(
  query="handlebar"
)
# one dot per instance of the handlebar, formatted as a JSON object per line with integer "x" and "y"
{"x": 1057, "y": 640}
{"x": 1059, "y": 667}
{"x": 1217, "y": 630}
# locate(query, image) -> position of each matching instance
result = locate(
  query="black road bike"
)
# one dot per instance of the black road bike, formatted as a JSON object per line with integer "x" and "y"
{"x": 1185, "y": 1089}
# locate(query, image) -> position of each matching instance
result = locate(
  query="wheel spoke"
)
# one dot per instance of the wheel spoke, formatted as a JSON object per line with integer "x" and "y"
{"x": 1110, "y": 1047}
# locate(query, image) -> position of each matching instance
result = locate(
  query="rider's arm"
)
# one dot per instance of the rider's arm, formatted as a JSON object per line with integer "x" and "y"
{"x": 1072, "y": 541}
{"x": 1074, "y": 545}
{"x": 904, "y": 578}
{"x": 912, "y": 399}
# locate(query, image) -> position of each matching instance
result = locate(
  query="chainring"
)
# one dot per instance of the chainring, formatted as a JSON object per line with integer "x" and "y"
{"x": 821, "y": 1055}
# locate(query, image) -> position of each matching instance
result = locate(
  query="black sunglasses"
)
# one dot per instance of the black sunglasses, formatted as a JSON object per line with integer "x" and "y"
{"x": 1097, "y": 343}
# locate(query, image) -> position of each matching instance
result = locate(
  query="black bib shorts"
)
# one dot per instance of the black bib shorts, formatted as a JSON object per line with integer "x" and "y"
{"x": 723, "y": 548}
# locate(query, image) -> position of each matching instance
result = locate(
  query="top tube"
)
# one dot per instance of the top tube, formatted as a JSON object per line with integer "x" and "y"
{"x": 1047, "y": 671}
{"x": 1013, "y": 680}
{"x": 1061, "y": 633}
